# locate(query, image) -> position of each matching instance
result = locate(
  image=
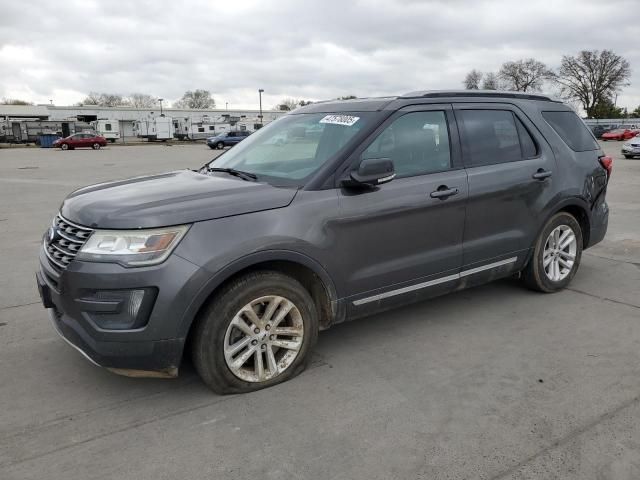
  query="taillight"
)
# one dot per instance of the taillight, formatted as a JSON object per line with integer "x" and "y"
{"x": 607, "y": 163}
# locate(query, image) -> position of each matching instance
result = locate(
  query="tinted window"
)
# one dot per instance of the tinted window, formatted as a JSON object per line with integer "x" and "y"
{"x": 527, "y": 143}
{"x": 107, "y": 127}
{"x": 211, "y": 127}
{"x": 489, "y": 137}
{"x": 572, "y": 130}
{"x": 418, "y": 143}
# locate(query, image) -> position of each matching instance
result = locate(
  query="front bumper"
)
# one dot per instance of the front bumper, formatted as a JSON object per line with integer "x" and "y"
{"x": 152, "y": 350}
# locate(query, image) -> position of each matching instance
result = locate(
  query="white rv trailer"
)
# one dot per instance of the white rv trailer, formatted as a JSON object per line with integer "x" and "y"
{"x": 155, "y": 128}
{"x": 109, "y": 129}
{"x": 200, "y": 128}
{"x": 19, "y": 130}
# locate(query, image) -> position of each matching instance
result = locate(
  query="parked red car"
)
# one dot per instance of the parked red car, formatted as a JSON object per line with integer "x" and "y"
{"x": 620, "y": 134}
{"x": 81, "y": 140}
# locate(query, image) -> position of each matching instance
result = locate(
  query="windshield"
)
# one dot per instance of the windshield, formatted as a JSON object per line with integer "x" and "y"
{"x": 292, "y": 148}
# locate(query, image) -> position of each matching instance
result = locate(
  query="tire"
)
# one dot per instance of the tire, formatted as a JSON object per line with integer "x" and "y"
{"x": 215, "y": 327}
{"x": 628, "y": 157}
{"x": 64, "y": 146}
{"x": 96, "y": 146}
{"x": 212, "y": 147}
{"x": 535, "y": 274}
{"x": 220, "y": 145}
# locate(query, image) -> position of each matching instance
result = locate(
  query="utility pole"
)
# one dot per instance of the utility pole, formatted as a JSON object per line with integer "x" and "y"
{"x": 260, "y": 95}
{"x": 160, "y": 100}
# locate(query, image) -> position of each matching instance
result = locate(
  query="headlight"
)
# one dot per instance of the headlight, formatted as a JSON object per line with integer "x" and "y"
{"x": 132, "y": 248}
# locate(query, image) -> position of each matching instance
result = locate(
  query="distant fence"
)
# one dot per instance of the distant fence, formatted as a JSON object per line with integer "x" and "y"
{"x": 592, "y": 122}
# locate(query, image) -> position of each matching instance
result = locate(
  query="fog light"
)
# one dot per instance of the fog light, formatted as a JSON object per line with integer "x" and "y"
{"x": 118, "y": 309}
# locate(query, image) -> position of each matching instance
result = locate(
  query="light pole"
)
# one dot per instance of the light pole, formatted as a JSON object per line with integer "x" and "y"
{"x": 160, "y": 100}
{"x": 226, "y": 105}
{"x": 260, "y": 95}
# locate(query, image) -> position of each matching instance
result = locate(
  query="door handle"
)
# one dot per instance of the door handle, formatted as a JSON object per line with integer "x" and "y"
{"x": 542, "y": 174}
{"x": 444, "y": 192}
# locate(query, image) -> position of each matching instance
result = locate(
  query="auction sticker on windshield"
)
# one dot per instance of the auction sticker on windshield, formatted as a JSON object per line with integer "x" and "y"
{"x": 347, "y": 120}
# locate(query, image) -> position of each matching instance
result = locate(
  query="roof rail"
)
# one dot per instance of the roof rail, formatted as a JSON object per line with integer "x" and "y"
{"x": 478, "y": 93}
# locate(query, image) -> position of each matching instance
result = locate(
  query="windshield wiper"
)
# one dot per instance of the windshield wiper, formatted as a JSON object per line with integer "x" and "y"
{"x": 236, "y": 173}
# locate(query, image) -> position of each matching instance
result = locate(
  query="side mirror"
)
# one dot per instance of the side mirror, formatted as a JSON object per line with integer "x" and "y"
{"x": 372, "y": 171}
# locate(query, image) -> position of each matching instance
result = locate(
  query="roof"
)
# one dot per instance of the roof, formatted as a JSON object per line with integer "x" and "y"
{"x": 24, "y": 111}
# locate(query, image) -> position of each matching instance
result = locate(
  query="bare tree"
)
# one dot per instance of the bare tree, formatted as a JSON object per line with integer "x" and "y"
{"x": 92, "y": 99}
{"x": 490, "y": 82}
{"x": 142, "y": 100}
{"x": 104, "y": 100}
{"x": 302, "y": 103}
{"x": 287, "y": 104}
{"x": 14, "y": 101}
{"x": 591, "y": 77}
{"x": 472, "y": 80}
{"x": 196, "y": 99}
{"x": 524, "y": 75}
{"x": 347, "y": 97}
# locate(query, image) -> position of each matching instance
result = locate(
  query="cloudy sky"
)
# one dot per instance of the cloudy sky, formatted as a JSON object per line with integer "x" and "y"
{"x": 304, "y": 49}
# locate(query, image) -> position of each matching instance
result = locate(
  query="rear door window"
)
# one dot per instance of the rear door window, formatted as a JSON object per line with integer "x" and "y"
{"x": 572, "y": 130}
{"x": 491, "y": 136}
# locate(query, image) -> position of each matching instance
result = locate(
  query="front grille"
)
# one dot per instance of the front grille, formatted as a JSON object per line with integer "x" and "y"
{"x": 65, "y": 242}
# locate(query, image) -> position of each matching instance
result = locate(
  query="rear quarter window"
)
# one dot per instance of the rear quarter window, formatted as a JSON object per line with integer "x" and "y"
{"x": 572, "y": 130}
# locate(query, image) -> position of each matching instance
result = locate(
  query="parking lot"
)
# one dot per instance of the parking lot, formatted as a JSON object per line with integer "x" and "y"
{"x": 493, "y": 382}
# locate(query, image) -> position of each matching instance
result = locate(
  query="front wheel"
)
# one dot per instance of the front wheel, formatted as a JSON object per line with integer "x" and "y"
{"x": 556, "y": 255}
{"x": 628, "y": 157}
{"x": 220, "y": 145}
{"x": 257, "y": 332}
{"x": 64, "y": 146}
{"x": 96, "y": 146}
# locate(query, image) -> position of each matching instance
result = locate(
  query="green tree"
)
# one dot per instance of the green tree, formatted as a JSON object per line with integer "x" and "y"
{"x": 607, "y": 109}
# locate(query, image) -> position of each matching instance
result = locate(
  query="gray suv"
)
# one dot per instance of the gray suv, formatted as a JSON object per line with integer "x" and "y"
{"x": 335, "y": 211}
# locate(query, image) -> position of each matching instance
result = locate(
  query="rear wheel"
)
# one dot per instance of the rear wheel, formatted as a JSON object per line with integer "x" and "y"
{"x": 556, "y": 256}
{"x": 628, "y": 156}
{"x": 257, "y": 332}
{"x": 96, "y": 146}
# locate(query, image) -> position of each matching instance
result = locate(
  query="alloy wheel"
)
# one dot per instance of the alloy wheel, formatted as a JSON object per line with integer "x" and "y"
{"x": 559, "y": 255}
{"x": 263, "y": 338}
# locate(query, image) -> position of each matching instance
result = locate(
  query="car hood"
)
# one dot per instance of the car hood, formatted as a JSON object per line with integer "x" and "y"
{"x": 170, "y": 199}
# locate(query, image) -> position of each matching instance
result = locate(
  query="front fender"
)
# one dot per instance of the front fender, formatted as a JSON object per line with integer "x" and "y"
{"x": 218, "y": 277}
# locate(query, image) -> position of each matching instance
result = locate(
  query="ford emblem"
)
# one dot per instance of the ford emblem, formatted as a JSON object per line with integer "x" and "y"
{"x": 52, "y": 235}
